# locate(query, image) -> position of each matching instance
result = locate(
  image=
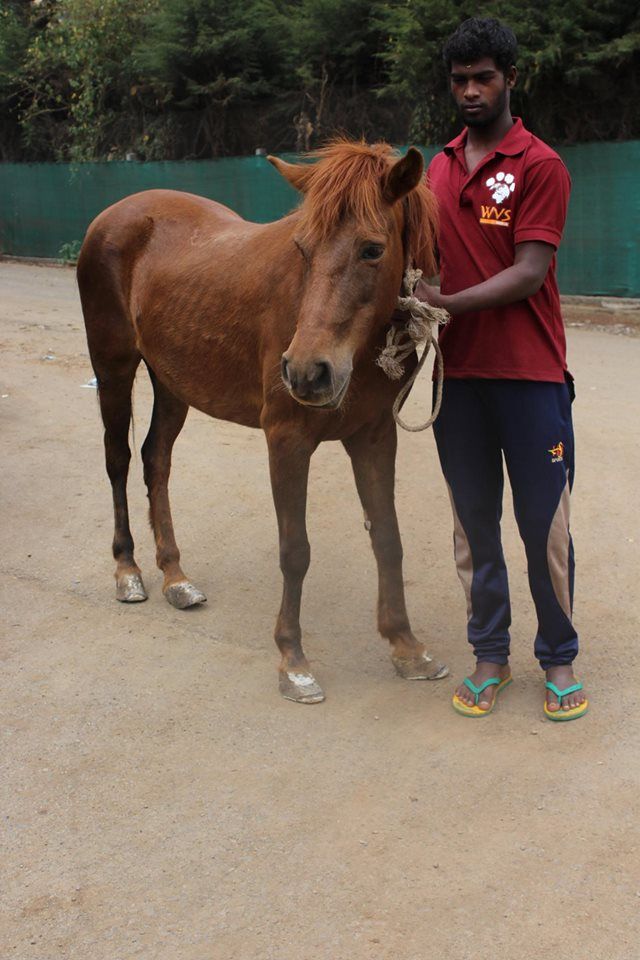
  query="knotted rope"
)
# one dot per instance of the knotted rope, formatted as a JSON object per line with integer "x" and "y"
{"x": 403, "y": 341}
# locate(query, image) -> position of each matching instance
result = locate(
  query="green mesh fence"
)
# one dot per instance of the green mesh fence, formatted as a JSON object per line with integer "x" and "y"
{"x": 45, "y": 206}
{"x": 600, "y": 251}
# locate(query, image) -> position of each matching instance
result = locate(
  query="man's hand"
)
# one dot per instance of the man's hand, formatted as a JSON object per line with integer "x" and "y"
{"x": 429, "y": 294}
{"x": 423, "y": 291}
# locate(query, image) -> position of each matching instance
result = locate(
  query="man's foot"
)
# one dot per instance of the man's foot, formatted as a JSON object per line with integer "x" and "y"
{"x": 483, "y": 671}
{"x": 563, "y": 677}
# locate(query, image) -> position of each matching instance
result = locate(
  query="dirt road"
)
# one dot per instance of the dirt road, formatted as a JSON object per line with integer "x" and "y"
{"x": 159, "y": 799}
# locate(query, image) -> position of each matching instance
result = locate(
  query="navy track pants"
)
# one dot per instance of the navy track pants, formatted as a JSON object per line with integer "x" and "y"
{"x": 530, "y": 422}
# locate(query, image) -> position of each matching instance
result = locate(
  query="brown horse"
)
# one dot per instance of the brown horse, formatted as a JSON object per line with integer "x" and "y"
{"x": 268, "y": 325}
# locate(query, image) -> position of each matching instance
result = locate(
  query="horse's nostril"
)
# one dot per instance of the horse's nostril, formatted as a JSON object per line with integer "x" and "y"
{"x": 322, "y": 376}
{"x": 312, "y": 379}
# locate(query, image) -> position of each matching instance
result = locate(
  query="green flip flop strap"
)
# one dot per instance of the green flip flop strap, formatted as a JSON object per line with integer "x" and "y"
{"x": 491, "y": 682}
{"x": 562, "y": 693}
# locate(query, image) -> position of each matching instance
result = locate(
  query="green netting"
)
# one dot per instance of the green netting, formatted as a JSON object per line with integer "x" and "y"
{"x": 44, "y": 206}
{"x": 600, "y": 251}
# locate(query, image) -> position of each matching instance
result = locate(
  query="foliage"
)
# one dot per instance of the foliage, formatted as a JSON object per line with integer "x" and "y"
{"x": 578, "y": 65}
{"x": 14, "y": 41}
{"x": 215, "y": 49}
{"x": 211, "y": 56}
{"x": 78, "y": 77}
{"x": 100, "y": 79}
{"x": 70, "y": 251}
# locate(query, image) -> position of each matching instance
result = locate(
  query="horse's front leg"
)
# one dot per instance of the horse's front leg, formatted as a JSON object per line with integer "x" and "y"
{"x": 373, "y": 456}
{"x": 289, "y": 456}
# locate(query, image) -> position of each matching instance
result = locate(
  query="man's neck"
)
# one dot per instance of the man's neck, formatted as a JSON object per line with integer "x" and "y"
{"x": 485, "y": 139}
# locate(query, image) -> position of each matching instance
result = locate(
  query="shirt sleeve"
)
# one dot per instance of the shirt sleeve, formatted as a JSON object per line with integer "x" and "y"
{"x": 542, "y": 210}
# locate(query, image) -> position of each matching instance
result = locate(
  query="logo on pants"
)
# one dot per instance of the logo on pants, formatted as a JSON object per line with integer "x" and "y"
{"x": 557, "y": 452}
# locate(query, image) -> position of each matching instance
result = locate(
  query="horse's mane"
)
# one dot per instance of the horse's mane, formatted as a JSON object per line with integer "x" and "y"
{"x": 347, "y": 181}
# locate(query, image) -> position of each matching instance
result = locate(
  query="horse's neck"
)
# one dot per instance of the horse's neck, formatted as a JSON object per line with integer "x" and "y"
{"x": 271, "y": 257}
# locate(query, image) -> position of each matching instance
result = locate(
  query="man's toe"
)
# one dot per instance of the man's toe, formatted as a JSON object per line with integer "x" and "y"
{"x": 466, "y": 696}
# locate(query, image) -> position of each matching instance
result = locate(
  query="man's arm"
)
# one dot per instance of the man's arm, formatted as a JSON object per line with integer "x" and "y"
{"x": 517, "y": 282}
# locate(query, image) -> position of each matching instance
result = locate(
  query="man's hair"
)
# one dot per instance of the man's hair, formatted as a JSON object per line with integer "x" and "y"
{"x": 477, "y": 38}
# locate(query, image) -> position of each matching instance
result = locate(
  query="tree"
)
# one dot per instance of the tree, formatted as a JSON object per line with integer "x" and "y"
{"x": 215, "y": 57}
{"x": 88, "y": 79}
{"x": 15, "y": 35}
{"x": 78, "y": 78}
{"x": 579, "y": 66}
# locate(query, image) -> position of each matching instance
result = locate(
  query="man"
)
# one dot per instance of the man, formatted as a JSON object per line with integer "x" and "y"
{"x": 503, "y": 197}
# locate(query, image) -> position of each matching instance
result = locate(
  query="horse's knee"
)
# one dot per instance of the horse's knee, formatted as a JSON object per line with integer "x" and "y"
{"x": 149, "y": 471}
{"x": 118, "y": 457}
{"x": 147, "y": 451}
{"x": 387, "y": 546}
{"x": 155, "y": 467}
{"x": 295, "y": 557}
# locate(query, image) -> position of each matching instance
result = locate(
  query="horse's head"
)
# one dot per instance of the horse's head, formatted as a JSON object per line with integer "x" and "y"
{"x": 366, "y": 213}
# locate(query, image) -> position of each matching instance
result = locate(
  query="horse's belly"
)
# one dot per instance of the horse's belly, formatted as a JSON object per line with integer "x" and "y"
{"x": 246, "y": 416}
{"x": 219, "y": 379}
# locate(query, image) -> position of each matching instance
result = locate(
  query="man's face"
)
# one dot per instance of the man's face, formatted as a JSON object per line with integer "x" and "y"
{"x": 480, "y": 90}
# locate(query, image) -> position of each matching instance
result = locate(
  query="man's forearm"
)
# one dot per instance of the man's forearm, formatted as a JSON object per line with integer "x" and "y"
{"x": 515, "y": 283}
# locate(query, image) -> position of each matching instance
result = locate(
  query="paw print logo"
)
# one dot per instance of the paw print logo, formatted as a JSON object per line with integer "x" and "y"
{"x": 501, "y": 186}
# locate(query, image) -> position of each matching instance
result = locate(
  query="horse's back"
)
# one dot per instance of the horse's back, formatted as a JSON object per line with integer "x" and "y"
{"x": 164, "y": 203}
{"x": 161, "y": 222}
{"x": 129, "y": 223}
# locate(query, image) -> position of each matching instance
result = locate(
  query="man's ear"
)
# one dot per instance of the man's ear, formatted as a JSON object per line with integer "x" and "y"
{"x": 403, "y": 176}
{"x": 297, "y": 174}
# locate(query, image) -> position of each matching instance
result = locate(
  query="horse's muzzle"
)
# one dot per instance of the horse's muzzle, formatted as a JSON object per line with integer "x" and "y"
{"x": 314, "y": 384}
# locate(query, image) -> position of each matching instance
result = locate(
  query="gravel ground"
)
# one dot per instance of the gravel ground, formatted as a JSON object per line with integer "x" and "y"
{"x": 160, "y": 801}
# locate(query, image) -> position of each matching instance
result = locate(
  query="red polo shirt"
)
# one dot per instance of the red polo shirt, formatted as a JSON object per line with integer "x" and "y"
{"x": 518, "y": 192}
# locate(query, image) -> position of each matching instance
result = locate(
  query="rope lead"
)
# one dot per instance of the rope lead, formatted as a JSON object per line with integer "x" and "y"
{"x": 402, "y": 342}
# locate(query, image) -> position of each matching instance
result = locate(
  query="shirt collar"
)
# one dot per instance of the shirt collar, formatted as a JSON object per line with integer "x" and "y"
{"x": 514, "y": 142}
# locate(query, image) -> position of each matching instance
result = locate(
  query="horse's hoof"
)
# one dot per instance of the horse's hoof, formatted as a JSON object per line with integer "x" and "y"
{"x": 421, "y": 667}
{"x": 183, "y": 595}
{"x": 300, "y": 687}
{"x": 130, "y": 588}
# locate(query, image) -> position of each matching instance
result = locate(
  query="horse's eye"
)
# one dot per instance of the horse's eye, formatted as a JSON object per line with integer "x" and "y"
{"x": 372, "y": 251}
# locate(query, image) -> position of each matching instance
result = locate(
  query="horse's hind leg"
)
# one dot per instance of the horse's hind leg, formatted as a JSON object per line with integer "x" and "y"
{"x": 169, "y": 415}
{"x": 373, "y": 455}
{"x": 114, "y": 392}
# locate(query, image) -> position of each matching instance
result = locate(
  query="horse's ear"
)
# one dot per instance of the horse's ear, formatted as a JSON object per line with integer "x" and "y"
{"x": 403, "y": 176}
{"x": 297, "y": 174}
